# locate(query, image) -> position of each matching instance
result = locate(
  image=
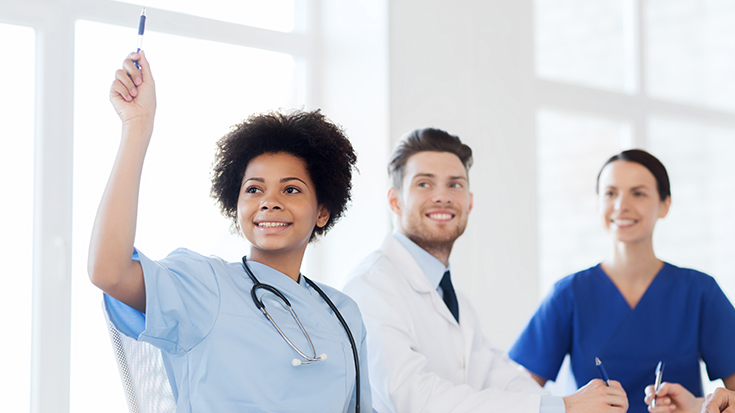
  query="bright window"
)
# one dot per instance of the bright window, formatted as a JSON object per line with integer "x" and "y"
{"x": 699, "y": 231}
{"x": 571, "y": 148}
{"x": 691, "y": 51}
{"x": 585, "y": 42}
{"x": 198, "y": 100}
{"x": 16, "y": 214}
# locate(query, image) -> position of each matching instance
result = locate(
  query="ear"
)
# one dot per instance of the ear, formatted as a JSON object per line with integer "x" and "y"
{"x": 394, "y": 201}
{"x": 471, "y": 202}
{"x": 323, "y": 217}
{"x": 663, "y": 209}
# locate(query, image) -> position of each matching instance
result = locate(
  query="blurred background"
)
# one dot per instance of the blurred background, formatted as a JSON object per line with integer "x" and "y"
{"x": 544, "y": 91}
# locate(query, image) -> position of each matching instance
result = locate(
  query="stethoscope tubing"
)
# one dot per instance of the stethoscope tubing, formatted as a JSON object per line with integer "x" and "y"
{"x": 259, "y": 304}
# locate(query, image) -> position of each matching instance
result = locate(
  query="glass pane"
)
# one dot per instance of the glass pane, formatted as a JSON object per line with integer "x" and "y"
{"x": 691, "y": 51}
{"x": 16, "y": 215}
{"x": 699, "y": 231}
{"x": 271, "y": 14}
{"x": 197, "y": 103}
{"x": 571, "y": 150}
{"x": 585, "y": 42}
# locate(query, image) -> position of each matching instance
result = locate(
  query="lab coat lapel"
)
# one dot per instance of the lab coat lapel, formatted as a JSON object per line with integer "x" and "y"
{"x": 407, "y": 265}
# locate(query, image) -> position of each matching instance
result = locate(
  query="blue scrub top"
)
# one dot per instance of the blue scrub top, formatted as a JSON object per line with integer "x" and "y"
{"x": 225, "y": 356}
{"x": 684, "y": 315}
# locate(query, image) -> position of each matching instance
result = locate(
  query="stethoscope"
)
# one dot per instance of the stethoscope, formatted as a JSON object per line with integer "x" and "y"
{"x": 306, "y": 359}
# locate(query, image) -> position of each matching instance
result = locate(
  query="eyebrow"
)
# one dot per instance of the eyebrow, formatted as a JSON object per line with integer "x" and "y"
{"x": 632, "y": 189}
{"x": 430, "y": 175}
{"x": 287, "y": 179}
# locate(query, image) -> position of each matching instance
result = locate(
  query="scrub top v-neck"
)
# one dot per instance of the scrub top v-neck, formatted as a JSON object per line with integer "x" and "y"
{"x": 682, "y": 316}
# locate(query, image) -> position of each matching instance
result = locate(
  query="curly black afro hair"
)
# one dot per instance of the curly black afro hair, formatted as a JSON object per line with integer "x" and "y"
{"x": 323, "y": 146}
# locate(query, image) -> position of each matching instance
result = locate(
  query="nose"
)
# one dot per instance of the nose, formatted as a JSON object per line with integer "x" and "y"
{"x": 270, "y": 201}
{"x": 621, "y": 202}
{"x": 441, "y": 195}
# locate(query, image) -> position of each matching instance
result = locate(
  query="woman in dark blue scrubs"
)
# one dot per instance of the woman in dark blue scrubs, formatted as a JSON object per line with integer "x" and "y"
{"x": 633, "y": 310}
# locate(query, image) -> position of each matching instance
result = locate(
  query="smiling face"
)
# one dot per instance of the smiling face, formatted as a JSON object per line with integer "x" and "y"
{"x": 629, "y": 202}
{"x": 277, "y": 208}
{"x": 434, "y": 201}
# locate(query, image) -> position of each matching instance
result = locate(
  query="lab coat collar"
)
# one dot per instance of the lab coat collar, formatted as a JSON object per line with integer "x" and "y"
{"x": 432, "y": 268}
{"x": 406, "y": 264}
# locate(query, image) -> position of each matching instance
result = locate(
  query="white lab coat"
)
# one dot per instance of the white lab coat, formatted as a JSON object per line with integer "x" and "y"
{"x": 420, "y": 359}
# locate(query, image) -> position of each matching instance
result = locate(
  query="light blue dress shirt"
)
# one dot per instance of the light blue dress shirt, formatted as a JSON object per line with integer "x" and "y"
{"x": 225, "y": 356}
{"x": 434, "y": 270}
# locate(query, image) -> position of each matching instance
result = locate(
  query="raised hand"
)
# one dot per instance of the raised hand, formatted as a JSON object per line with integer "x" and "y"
{"x": 133, "y": 92}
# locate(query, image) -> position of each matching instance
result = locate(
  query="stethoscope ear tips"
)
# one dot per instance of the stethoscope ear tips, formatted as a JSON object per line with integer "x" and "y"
{"x": 322, "y": 357}
{"x": 295, "y": 362}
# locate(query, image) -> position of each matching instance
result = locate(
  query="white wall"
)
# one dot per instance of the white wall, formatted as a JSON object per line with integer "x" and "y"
{"x": 467, "y": 67}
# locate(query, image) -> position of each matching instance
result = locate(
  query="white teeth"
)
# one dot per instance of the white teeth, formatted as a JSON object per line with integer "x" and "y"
{"x": 440, "y": 216}
{"x": 272, "y": 224}
{"x": 624, "y": 222}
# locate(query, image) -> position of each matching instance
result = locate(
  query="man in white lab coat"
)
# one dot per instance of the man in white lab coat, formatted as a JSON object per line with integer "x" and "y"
{"x": 426, "y": 350}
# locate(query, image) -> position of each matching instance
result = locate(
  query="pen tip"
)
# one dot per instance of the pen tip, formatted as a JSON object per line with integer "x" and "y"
{"x": 143, "y": 12}
{"x": 597, "y": 361}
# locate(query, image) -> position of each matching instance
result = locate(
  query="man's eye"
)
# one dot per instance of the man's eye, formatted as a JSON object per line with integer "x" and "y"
{"x": 423, "y": 184}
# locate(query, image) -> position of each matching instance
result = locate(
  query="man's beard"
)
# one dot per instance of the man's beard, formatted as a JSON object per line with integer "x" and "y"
{"x": 436, "y": 245}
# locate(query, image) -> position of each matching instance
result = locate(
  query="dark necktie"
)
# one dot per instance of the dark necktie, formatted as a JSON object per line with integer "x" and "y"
{"x": 450, "y": 298}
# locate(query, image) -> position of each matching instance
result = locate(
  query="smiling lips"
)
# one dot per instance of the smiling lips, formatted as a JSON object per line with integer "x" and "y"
{"x": 440, "y": 215}
{"x": 272, "y": 224}
{"x": 623, "y": 223}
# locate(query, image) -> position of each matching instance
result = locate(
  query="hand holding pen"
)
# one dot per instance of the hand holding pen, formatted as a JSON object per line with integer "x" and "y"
{"x": 672, "y": 397}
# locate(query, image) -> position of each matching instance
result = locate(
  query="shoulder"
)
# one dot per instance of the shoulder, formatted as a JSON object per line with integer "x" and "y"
{"x": 579, "y": 280}
{"x": 689, "y": 279}
{"x": 375, "y": 268}
{"x": 185, "y": 258}
{"x": 341, "y": 300}
{"x": 346, "y": 305}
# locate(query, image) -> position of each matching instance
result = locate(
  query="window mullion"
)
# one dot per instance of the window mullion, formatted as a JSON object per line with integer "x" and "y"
{"x": 50, "y": 354}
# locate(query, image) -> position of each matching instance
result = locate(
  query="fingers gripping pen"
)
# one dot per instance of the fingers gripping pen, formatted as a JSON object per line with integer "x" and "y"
{"x": 141, "y": 30}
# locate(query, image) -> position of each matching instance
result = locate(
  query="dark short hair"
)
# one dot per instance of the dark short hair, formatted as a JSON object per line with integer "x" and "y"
{"x": 650, "y": 162}
{"x": 310, "y": 136}
{"x": 425, "y": 140}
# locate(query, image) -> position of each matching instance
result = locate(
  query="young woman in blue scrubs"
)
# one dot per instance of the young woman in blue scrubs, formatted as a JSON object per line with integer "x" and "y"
{"x": 283, "y": 179}
{"x": 632, "y": 310}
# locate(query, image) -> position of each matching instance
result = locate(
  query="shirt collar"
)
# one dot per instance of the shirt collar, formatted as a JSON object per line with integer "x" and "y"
{"x": 432, "y": 268}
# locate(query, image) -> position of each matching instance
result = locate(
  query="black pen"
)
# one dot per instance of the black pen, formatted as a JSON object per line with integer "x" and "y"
{"x": 141, "y": 30}
{"x": 602, "y": 371}
{"x": 657, "y": 383}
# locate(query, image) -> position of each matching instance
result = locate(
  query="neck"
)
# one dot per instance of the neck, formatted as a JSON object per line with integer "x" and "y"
{"x": 287, "y": 262}
{"x": 633, "y": 261}
{"x": 440, "y": 250}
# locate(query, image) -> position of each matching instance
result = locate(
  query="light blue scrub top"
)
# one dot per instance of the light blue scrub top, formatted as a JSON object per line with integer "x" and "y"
{"x": 225, "y": 356}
